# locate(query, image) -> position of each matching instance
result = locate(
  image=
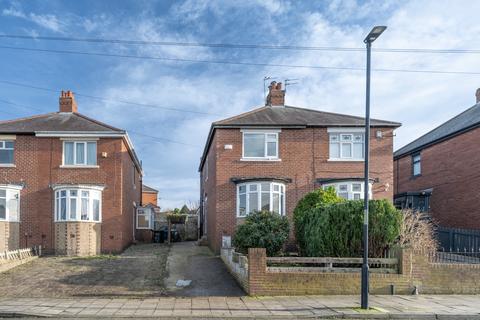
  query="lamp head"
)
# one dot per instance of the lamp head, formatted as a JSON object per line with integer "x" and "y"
{"x": 374, "y": 34}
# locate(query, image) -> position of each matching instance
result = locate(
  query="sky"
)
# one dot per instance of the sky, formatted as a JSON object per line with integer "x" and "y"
{"x": 170, "y": 142}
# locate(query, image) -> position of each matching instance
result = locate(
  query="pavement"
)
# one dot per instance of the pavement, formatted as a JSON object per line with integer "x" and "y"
{"x": 297, "y": 307}
{"x": 207, "y": 272}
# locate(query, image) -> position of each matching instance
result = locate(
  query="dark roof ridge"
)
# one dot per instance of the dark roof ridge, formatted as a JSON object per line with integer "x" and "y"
{"x": 397, "y": 154}
{"x": 339, "y": 114}
{"x": 98, "y": 122}
{"x": 27, "y": 118}
{"x": 241, "y": 115}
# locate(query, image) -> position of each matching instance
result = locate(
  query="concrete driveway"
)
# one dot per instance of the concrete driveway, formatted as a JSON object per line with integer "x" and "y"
{"x": 207, "y": 272}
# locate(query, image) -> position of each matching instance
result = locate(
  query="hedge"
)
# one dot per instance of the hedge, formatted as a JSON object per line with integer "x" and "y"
{"x": 302, "y": 213}
{"x": 336, "y": 230}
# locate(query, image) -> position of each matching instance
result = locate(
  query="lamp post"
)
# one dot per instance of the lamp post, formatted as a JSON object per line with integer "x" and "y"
{"x": 372, "y": 36}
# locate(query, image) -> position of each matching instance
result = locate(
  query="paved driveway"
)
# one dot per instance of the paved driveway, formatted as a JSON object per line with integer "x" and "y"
{"x": 209, "y": 276}
{"x": 138, "y": 272}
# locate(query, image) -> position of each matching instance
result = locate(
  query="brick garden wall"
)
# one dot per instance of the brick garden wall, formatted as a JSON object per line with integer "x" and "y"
{"x": 414, "y": 271}
{"x": 451, "y": 169}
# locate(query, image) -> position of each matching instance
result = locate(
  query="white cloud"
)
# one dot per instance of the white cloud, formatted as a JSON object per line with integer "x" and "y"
{"x": 47, "y": 21}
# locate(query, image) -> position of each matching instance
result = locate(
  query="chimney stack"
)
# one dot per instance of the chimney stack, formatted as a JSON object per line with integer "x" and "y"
{"x": 276, "y": 96}
{"x": 67, "y": 102}
{"x": 477, "y": 94}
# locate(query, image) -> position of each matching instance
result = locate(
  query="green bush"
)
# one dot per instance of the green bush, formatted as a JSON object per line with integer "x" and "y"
{"x": 262, "y": 229}
{"x": 302, "y": 213}
{"x": 336, "y": 230}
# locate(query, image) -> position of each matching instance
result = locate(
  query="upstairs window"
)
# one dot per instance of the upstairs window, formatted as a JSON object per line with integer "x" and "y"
{"x": 346, "y": 146}
{"x": 349, "y": 190}
{"x": 80, "y": 153}
{"x": 260, "y": 145}
{"x": 6, "y": 151}
{"x": 416, "y": 164}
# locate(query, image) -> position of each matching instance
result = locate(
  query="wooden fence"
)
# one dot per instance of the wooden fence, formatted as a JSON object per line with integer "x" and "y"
{"x": 330, "y": 264}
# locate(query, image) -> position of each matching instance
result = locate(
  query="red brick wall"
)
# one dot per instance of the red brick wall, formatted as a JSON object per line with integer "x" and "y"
{"x": 149, "y": 197}
{"x": 38, "y": 161}
{"x": 451, "y": 168}
{"x": 414, "y": 271}
{"x": 304, "y": 158}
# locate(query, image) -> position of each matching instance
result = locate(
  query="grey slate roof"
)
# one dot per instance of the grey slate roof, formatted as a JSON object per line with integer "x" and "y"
{"x": 294, "y": 116}
{"x": 289, "y": 116}
{"x": 463, "y": 122}
{"x": 148, "y": 189}
{"x": 56, "y": 121}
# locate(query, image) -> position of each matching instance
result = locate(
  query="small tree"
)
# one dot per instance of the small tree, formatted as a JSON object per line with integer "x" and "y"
{"x": 262, "y": 229}
{"x": 184, "y": 210}
{"x": 303, "y": 210}
{"x": 418, "y": 232}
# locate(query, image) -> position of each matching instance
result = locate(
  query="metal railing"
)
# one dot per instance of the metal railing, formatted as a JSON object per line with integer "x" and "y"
{"x": 456, "y": 256}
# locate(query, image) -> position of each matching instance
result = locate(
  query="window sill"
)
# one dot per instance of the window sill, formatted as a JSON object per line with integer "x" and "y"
{"x": 83, "y": 221}
{"x": 7, "y": 165}
{"x": 345, "y": 160}
{"x": 261, "y": 159}
{"x": 64, "y": 166}
{"x": 144, "y": 228}
{"x": 9, "y": 221}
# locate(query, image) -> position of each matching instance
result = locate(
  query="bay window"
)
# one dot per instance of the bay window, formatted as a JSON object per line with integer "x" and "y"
{"x": 78, "y": 204}
{"x": 260, "y": 144}
{"x": 80, "y": 153}
{"x": 346, "y": 144}
{"x": 349, "y": 190}
{"x": 10, "y": 203}
{"x": 258, "y": 196}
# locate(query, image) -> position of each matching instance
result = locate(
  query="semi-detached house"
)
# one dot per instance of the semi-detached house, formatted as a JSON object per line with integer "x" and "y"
{"x": 68, "y": 183}
{"x": 270, "y": 157}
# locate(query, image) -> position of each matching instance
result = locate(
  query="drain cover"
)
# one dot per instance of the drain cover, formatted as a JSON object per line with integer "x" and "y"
{"x": 183, "y": 283}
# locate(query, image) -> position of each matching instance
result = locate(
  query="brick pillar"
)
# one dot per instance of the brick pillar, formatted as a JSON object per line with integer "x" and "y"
{"x": 405, "y": 261}
{"x": 257, "y": 268}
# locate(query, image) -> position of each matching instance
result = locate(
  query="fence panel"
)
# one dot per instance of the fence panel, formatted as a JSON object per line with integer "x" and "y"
{"x": 453, "y": 239}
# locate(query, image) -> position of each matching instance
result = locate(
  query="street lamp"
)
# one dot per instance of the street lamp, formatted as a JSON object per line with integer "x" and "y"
{"x": 372, "y": 36}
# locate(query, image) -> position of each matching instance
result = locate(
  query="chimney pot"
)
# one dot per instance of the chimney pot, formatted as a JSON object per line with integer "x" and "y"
{"x": 276, "y": 96}
{"x": 477, "y": 95}
{"x": 67, "y": 102}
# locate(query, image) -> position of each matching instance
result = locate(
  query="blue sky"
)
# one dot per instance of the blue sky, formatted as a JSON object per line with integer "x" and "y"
{"x": 420, "y": 101}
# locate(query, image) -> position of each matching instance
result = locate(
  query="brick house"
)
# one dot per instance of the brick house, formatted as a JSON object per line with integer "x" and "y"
{"x": 67, "y": 182}
{"x": 270, "y": 157}
{"x": 149, "y": 195}
{"x": 438, "y": 172}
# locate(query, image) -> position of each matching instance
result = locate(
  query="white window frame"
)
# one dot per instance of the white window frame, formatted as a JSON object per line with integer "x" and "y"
{"x": 85, "y": 150}
{"x": 265, "y": 133}
{"x": 147, "y": 212}
{"x": 419, "y": 162}
{"x": 11, "y": 192}
{"x": 351, "y": 193}
{"x": 94, "y": 193}
{"x": 281, "y": 194}
{"x": 3, "y": 147}
{"x": 344, "y": 132}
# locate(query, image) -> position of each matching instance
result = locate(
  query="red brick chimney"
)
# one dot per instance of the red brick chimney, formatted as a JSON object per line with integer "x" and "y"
{"x": 276, "y": 96}
{"x": 67, "y": 102}
{"x": 477, "y": 94}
